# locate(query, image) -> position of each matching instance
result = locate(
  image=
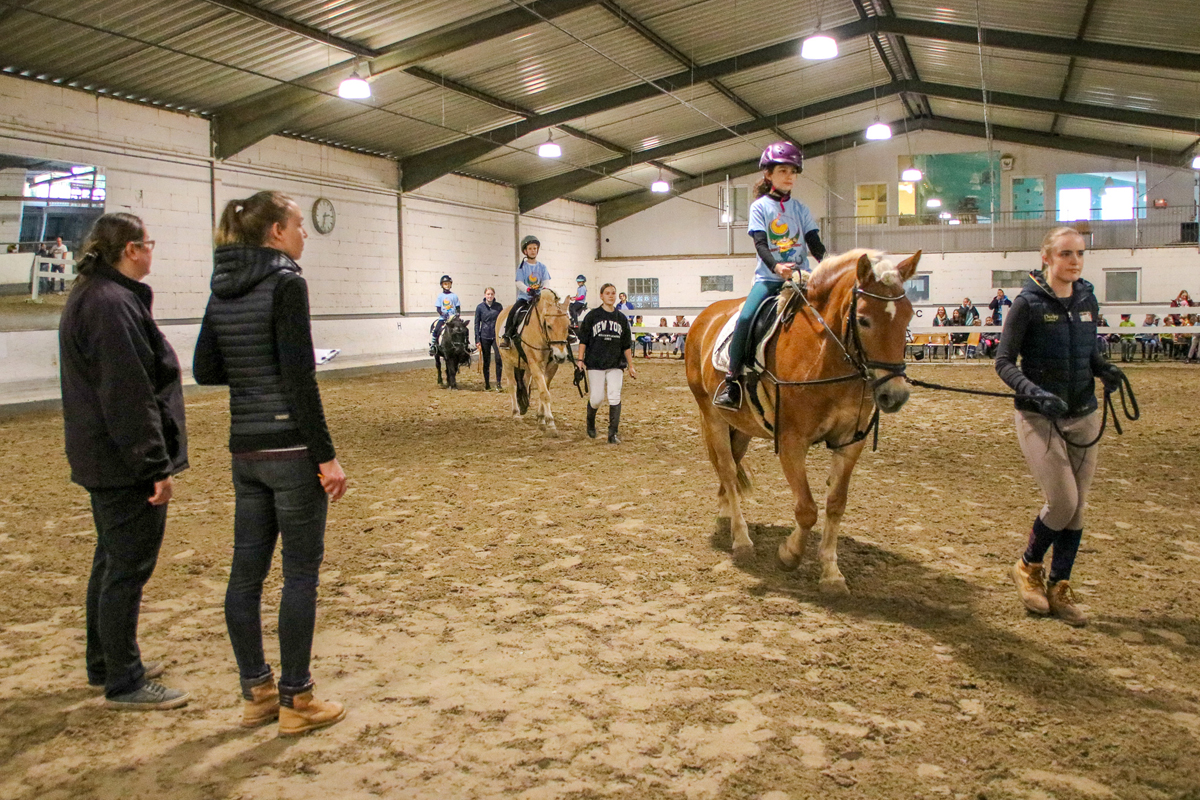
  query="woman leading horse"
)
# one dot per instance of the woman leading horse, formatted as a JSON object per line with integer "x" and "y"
{"x": 536, "y": 352}
{"x": 837, "y": 359}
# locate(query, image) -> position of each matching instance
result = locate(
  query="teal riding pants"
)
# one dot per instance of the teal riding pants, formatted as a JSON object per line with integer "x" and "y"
{"x": 759, "y": 292}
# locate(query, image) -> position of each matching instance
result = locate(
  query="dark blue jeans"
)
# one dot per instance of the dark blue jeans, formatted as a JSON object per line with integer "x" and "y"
{"x": 129, "y": 533}
{"x": 276, "y": 497}
{"x": 487, "y": 347}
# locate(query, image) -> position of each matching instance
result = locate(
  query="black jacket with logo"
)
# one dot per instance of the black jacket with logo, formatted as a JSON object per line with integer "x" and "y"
{"x": 121, "y": 393}
{"x": 606, "y": 336}
{"x": 256, "y": 337}
{"x": 1055, "y": 339}
{"x": 485, "y": 320}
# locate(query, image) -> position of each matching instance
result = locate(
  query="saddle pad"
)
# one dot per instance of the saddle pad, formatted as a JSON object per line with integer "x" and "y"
{"x": 720, "y": 357}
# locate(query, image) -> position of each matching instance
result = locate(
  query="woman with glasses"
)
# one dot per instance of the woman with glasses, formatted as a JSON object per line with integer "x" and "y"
{"x": 125, "y": 439}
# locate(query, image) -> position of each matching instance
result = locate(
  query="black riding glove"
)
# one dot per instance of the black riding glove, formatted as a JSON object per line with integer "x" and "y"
{"x": 1049, "y": 404}
{"x": 1111, "y": 376}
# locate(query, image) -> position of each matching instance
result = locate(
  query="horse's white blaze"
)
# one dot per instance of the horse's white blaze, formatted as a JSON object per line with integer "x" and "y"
{"x": 891, "y": 309}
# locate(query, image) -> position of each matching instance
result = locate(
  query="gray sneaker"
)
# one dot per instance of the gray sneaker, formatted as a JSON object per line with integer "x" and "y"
{"x": 151, "y": 697}
{"x": 154, "y": 669}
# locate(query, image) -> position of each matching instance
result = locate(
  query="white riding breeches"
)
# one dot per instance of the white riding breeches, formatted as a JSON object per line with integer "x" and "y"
{"x": 598, "y": 379}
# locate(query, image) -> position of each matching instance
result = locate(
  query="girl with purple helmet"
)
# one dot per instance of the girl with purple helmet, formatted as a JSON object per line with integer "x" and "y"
{"x": 784, "y": 234}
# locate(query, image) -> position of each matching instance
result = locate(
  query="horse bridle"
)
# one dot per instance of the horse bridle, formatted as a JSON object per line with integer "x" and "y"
{"x": 894, "y": 369}
{"x": 534, "y": 309}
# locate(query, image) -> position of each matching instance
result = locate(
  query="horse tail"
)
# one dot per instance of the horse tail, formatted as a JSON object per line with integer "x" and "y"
{"x": 522, "y": 390}
{"x": 745, "y": 479}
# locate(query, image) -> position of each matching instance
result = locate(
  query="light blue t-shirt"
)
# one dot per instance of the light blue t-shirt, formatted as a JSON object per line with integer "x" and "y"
{"x": 580, "y": 293}
{"x": 447, "y": 304}
{"x": 785, "y": 225}
{"x": 534, "y": 276}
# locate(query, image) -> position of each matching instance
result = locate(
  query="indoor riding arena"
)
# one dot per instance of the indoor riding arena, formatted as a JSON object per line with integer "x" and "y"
{"x": 509, "y": 606}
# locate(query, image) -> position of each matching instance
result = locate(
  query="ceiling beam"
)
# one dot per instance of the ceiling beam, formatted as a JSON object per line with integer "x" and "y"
{"x": 292, "y": 26}
{"x": 244, "y": 122}
{"x": 1066, "y": 84}
{"x": 512, "y": 108}
{"x": 1124, "y": 116}
{"x": 538, "y": 193}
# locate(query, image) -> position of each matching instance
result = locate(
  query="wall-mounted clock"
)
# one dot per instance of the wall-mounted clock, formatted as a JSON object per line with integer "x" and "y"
{"x": 323, "y": 215}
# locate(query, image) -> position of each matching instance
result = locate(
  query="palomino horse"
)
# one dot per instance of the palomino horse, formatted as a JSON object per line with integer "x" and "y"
{"x": 535, "y": 356}
{"x": 821, "y": 370}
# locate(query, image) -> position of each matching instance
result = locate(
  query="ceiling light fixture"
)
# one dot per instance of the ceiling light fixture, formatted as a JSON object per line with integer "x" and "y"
{"x": 354, "y": 88}
{"x": 878, "y": 131}
{"x": 660, "y": 186}
{"x": 1196, "y": 162}
{"x": 933, "y": 202}
{"x": 819, "y": 47}
{"x": 912, "y": 174}
{"x": 548, "y": 149}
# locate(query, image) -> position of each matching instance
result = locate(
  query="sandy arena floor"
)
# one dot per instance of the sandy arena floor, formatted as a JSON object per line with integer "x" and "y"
{"x": 512, "y": 616}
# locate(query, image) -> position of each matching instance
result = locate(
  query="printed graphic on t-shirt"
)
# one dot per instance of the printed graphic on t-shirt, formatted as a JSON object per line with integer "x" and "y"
{"x": 533, "y": 281}
{"x": 607, "y": 329}
{"x": 779, "y": 235}
{"x": 447, "y": 304}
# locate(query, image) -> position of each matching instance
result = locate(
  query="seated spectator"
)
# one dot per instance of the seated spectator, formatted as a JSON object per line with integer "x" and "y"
{"x": 663, "y": 338}
{"x": 956, "y": 320}
{"x": 644, "y": 339}
{"x": 1149, "y": 341}
{"x": 969, "y": 312}
{"x": 990, "y": 340}
{"x": 680, "y": 338}
{"x": 1127, "y": 343}
{"x": 1182, "y": 300}
{"x": 940, "y": 319}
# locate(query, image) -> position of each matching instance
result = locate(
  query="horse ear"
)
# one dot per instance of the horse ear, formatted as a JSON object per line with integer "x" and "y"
{"x": 865, "y": 269}
{"x": 908, "y": 266}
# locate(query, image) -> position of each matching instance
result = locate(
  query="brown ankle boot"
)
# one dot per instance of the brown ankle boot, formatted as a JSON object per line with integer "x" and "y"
{"x": 306, "y": 713}
{"x": 1031, "y": 586}
{"x": 1062, "y": 605}
{"x": 261, "y": 703}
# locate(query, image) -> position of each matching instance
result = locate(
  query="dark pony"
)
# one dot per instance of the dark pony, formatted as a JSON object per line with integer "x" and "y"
{"x": 454, "y": 345}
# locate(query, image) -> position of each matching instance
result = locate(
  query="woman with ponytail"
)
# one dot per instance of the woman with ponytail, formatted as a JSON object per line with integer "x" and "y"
{"x": 784, "y": 233}
{"x": 257, "y": 338}
{"x": 125, "y": 439}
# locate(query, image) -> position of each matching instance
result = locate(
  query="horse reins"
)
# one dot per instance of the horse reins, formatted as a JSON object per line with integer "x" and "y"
{"x": 862, "y": 367}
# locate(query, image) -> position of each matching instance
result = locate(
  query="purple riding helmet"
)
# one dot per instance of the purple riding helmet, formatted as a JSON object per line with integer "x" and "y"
{"x": 782, "y": 153}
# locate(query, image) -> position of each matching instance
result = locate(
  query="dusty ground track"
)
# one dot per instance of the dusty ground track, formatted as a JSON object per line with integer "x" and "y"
{"x": 512, "y": 616}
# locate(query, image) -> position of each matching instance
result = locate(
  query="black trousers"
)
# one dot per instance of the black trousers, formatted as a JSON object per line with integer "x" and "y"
{"x": 486, "y": 347}
{"x": 129, "y": 534}
{"x": 276, "y": 500}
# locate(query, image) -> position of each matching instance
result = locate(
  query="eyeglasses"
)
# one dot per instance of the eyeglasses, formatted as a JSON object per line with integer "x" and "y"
{"x": 148, "y": 244}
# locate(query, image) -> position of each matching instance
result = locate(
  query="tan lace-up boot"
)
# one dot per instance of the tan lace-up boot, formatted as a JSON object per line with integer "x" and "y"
{"x": 1031, "y": 586}
{"x": 306, "y": 713}
{"x": 261, "y": 704}
{"x": 1062, "y": 605}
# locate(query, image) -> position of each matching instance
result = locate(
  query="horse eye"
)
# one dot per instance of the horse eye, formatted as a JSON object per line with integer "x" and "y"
{"x": 866, "y": 323}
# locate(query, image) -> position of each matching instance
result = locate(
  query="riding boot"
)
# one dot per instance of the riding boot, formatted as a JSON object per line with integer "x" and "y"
{"x": 730, "y": 396}
{"x": 505, "y": 342}
{"x": 614, "y": 421}
{"x": 591, "y": 421}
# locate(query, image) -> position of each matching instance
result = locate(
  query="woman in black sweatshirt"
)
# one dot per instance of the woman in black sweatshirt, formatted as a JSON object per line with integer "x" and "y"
{"x": 256, "y": 337}
{"x": 605, "y": 349}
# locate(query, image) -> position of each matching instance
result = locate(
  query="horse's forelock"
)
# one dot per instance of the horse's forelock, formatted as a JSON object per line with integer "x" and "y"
{"x": 886, "y": 272}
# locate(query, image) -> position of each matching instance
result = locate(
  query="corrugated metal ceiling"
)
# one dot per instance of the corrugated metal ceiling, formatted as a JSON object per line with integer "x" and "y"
{"x": 194, "y": 55}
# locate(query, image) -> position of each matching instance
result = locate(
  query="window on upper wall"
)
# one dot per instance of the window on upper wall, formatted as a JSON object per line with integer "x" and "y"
{"x": 954, "y": 188}
{"x": 917, "y": 288}
{"x": 733, "y": 206}
{"x": 1121, "y": 286}
{"x": 1101, "y": 195}
{"x": 716, "y": 283}
{"x": 1009, "y": 278}
{"x": 643, "y": 292}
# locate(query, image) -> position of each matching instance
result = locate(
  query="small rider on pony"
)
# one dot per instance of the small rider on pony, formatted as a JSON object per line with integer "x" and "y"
{"x": 784, "y": 233}
{"x": 532, "y": 276}
{"x": 447, "y": 305}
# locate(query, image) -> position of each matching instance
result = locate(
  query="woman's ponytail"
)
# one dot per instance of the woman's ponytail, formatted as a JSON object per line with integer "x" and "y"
{"x": 249, "y": 221}
{"x": 107, "y": 239}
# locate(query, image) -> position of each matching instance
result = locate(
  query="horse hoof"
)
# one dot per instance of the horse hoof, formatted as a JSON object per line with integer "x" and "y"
{"x": 788, "y": 561}
{"x": 744, "y": 554}
{"x": 833, "y": 587}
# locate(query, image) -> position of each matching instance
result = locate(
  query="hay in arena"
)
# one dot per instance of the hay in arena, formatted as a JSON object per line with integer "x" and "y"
{"x": 511, "y": 616}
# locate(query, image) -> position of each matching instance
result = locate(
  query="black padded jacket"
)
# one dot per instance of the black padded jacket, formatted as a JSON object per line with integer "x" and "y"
{"x": 1055, "y": 339}
{"x": 256, "y": 337}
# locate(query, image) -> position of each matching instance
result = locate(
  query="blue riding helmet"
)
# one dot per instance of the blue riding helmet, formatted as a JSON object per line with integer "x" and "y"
{"x": 581, "y": 278}
{"x": 446, "y": 278}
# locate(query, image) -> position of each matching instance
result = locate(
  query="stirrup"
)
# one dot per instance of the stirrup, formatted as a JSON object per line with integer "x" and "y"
{"x": 730, "y": 388}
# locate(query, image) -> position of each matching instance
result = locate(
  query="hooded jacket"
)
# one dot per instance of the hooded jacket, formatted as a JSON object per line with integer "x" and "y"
{"x": 1055, "y": 339}
{"x": 121, "y": 392}
{"x": 256, "y": 337}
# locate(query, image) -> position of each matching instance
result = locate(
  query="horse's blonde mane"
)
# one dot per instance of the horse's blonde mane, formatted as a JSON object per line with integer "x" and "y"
{"x": 831, "y": 270}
